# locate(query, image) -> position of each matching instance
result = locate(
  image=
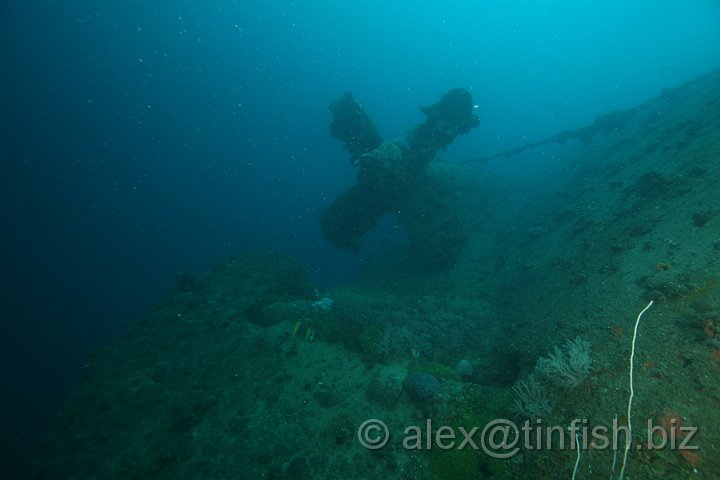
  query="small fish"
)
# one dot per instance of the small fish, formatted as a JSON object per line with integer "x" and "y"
{"x": 297, "y": 326}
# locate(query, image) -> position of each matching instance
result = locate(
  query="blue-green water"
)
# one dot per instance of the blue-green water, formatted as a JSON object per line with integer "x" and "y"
{"x": 140, "y": 139}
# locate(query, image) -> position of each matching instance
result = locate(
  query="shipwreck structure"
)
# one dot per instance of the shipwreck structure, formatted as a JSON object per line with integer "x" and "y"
{"x": 393, "y": 178}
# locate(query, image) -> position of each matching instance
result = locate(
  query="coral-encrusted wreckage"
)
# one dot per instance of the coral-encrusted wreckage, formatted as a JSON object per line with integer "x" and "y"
{"x": 248, "y": 371}
{"x": 392, "y": 178}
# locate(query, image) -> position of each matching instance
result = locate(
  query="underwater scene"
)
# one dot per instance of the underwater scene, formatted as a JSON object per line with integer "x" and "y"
{"x": 373, "y": 241}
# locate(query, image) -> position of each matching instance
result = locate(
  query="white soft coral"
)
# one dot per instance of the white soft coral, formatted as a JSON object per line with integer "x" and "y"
{"x": 567, "y": 367}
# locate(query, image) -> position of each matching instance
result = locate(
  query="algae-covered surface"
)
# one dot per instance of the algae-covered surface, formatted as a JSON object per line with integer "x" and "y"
{"x": 247, "y": 371}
